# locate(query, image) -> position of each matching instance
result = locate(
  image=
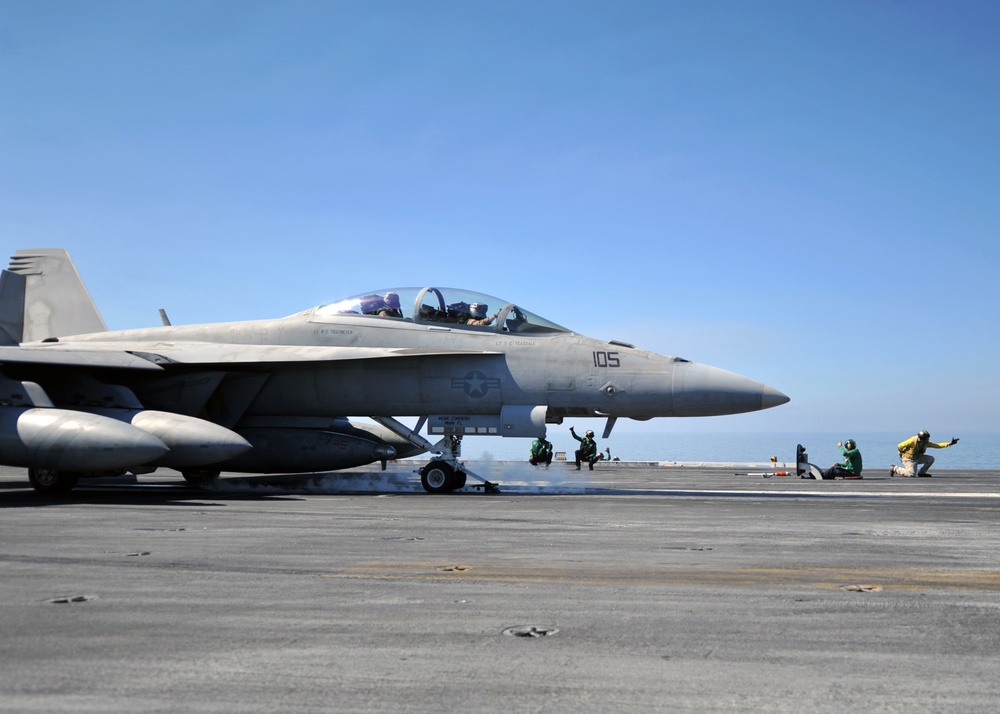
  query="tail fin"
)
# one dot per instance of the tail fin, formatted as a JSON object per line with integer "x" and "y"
{"x": 56, "y": 302}
{"x": 11, "y": 308}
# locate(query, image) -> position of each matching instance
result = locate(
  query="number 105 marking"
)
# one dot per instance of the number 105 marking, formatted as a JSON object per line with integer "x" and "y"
{"x": 607, "y": 359}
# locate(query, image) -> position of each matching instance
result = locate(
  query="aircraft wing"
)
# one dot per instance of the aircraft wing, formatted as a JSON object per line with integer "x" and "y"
{"x": 74, "y": 358}
{"x": 154, "y": 356}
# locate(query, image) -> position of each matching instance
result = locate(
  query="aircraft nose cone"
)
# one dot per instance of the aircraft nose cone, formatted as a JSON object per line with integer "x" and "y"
{"x": 700, "y": 390}
{"x": 771, "y": 397}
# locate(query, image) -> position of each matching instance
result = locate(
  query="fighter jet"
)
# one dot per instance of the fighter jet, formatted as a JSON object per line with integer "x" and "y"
{"x": 290, "y": 395}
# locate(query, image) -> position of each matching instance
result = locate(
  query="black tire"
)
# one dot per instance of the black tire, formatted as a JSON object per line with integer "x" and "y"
{"x": 200, "y": 477}
{"x": 50, "y": 482}
{"x": 438, "y": 477}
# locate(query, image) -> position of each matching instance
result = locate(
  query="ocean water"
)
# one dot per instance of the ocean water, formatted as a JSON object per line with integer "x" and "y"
{"x": 978, "y": 450}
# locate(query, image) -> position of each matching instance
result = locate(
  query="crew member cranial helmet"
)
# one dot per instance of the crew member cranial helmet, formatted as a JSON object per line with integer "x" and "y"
{"x": 923, "y": 435}
{"x": 392, "y": 300}
{"x": 590, "y": 433}
{"x": 850, "y": 444}
{"x": 479, "y": 309}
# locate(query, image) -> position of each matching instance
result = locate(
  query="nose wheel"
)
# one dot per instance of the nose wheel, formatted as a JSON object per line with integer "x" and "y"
{"x": 442, "y": 477}
{"x": 445, "y": 473}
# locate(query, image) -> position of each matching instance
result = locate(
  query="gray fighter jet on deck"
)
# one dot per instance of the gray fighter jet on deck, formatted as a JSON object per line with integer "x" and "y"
{"x": 278, "y": 396}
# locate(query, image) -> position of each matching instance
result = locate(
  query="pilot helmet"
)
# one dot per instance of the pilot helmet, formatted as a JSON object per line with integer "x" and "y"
{"x": 590, "y": 433}
{"x": 392, "y": 300}
{"x": 850, "y": 444}
{"x": 478, "y": 309}
{"x": 923, "y": 435}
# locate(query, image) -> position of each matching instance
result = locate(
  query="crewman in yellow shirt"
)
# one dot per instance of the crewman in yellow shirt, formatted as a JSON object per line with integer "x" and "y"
{"x": 911, "y": 453}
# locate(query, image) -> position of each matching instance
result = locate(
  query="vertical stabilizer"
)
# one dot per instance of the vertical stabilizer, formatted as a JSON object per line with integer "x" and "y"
{"x": 56, "y": 302}
{"x": 11, "y": 308}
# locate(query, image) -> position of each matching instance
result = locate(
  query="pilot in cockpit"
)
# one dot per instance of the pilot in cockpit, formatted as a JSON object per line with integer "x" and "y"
{"x": 479, "y": 310}
{"x": 390, "y": 307}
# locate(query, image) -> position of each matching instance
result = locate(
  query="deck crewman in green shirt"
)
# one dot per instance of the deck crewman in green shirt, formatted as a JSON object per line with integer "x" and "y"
{"x": 541, "y": 452}
{"x": 588, "y": 449}
{"x": 851, "y": 466}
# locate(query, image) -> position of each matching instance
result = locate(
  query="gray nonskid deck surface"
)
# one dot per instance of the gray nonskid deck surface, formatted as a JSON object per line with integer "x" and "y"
{"x": 629, "y": 588}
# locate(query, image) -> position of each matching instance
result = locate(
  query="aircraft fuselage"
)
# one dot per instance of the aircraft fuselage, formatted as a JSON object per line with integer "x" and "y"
{"x": 570, "y": 374}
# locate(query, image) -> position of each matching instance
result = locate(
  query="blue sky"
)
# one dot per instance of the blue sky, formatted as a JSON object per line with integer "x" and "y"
{"x": 802, "y": 192}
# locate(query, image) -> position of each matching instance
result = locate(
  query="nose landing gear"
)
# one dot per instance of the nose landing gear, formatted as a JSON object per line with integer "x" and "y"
{"x": 441, "y": 477}
{"x": 445, "y": 473}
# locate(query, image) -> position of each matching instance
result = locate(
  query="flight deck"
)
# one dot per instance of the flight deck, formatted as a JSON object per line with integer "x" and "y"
{"x": 634, "y": 587}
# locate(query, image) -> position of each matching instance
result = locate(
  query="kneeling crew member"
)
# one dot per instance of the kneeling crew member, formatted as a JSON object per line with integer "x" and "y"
{"x": 911, "y": 454}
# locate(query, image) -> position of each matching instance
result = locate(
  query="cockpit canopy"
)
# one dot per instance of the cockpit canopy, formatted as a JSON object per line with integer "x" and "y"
{"x": 449, "y": 307}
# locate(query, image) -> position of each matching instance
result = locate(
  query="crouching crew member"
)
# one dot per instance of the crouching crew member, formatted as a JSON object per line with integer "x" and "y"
{"x": 541, "y": 452}
{"x": 588, "y": 449}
